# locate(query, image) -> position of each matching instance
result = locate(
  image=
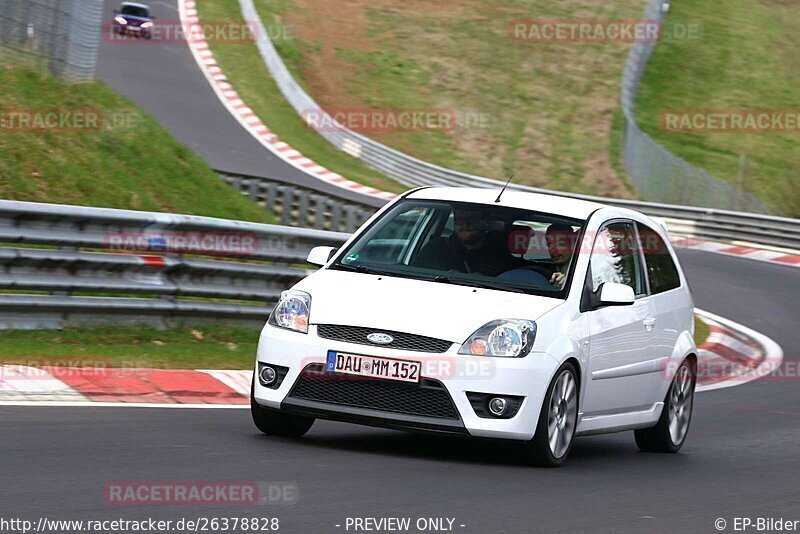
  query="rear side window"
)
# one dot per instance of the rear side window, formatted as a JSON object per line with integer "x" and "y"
{"x": 615, "y": 258}
{"x": 661, "y": 270}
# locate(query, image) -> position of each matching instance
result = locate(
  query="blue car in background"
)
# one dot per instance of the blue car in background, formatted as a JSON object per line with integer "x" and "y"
{"x": 135, "y": 19}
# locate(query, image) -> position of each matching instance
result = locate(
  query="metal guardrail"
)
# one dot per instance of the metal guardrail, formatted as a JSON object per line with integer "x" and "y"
{"x": 68, "y": 263}
{"x": 62, "y": 264}
{"x": 705, "y": 223}
{"x": 656, "y": 173}
{"x": 300, "y": 206}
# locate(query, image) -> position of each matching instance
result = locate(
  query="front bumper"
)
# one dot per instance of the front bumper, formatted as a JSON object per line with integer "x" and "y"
{"x": 132, "y": 30}
{"x": 526, "y": 377}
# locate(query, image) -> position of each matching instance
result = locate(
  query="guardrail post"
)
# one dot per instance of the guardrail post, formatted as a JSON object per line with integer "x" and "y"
{"x": 287, "y": 196}
{"x": 302, "y": 209}
{"x": 272, "y": 190}
{"x": 336, "y": 217}
{"x": 318, "y": 206}
{"x": 253, "y": 190}
{"x": 350, "y": 219}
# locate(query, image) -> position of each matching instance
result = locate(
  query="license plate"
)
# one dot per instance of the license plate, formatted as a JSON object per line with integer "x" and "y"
{"x": 373, "y": 367}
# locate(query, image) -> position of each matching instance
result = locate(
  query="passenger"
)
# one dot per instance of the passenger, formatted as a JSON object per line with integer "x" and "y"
{"x": 561, "y": 240}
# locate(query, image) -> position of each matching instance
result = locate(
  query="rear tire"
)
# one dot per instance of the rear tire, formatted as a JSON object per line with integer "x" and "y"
{"x": 669, "y": 434}
{"x": 275, "y": 423}
{"x": 555, "y": 430}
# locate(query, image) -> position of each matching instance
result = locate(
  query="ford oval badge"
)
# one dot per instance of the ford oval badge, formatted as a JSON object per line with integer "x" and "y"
{"x": 380, "y": 338}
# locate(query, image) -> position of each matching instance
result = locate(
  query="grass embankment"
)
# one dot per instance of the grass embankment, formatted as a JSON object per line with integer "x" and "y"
{"x": 748, "y": 57}
{"x": 202, "y": 347}
{"x": 541, "y": 111}
{"x": 242, "y": 64}
{"x": 110, "y": 154}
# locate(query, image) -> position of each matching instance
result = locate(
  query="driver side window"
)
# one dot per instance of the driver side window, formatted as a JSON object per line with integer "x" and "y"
{"x": 615, "y": 257}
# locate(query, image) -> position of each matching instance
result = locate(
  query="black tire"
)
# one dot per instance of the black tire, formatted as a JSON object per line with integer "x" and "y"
{"x": 658, "y": 438}
{"x": 539, "y": 450}
{"x": 275, "y": 423}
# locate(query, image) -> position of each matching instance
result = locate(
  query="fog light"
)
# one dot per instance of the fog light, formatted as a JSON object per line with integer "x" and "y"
{"x": 497, "y": 406}
{"x": 267, "y": 375}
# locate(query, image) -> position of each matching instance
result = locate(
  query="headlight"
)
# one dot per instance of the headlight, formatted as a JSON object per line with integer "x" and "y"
{"x": 147, "y": 24}
{"x": 292, "y": 311}
{"x": 120, "y": 20}
{"x": 506, "y": 338}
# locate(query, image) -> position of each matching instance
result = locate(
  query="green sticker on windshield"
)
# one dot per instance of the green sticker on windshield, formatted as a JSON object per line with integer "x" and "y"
{"x": 351, "y": 257}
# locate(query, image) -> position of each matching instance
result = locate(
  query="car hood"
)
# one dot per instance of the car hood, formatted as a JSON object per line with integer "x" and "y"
{"x": 444, "y": 311}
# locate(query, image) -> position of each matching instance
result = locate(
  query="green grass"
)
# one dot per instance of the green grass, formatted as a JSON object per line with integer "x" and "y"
{"x": 541, "y": 111}
{"x": 701, "y": 331}
{"x": 243, "y": 65}
{"x": 186, "y": 347}
{"x": 747, "y": 58}
{"x": 127, "y": 162}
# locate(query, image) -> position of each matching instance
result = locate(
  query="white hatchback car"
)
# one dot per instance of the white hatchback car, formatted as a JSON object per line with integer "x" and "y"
{"x": 525, "y": 317}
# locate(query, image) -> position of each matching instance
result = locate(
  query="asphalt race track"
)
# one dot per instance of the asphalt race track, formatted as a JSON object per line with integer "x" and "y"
{"x": 163, "y": 78}
{"x": 741, "y": 458}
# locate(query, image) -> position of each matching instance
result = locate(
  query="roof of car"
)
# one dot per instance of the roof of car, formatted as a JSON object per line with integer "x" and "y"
{"x": 558, "y": 205}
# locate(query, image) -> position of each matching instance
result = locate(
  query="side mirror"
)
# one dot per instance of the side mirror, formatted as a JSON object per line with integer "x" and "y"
{"x": 320, "y": 255}
{"x": 614, "y": 294}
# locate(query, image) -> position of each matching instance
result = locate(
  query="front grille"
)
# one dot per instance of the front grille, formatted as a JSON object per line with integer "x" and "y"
{"x": 402, "y": 341}
{"x": 427, "y": 399}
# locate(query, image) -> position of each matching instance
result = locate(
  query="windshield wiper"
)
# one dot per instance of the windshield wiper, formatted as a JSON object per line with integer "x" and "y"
{"x": 356, "y": 269}
{"x": 475, "y": 283}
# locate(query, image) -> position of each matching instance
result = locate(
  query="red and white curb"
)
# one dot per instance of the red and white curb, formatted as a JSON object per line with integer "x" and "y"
{"x": 248, "y": 119}
{"x": 732, "y": 355}
{"x": 91, "y": 386}
{"x": 747, "y": 251}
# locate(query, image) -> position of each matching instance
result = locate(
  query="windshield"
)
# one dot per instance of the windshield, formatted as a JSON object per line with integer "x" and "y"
{"x": 469, "y": 244}
{"x": 135, "y": 11}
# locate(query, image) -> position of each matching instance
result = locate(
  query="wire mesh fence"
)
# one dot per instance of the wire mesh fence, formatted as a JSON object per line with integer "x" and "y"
{"x": 63, "y": 35}
{"x": 655, "y": 172}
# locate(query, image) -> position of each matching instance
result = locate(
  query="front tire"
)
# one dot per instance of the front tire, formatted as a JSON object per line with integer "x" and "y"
{"x": 555, "y": 430}
{"x": 275, "y": 423}
{"x": 669, "y": 434}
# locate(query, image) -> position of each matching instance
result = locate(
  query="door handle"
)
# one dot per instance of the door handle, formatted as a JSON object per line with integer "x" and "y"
{"x": 649, "y": 323}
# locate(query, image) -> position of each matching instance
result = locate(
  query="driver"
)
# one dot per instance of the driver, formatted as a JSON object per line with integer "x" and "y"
{"x": 468, "y": 249}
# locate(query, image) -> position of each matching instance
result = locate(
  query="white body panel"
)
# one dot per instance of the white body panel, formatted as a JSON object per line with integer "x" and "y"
{"x": 623, "y": 353}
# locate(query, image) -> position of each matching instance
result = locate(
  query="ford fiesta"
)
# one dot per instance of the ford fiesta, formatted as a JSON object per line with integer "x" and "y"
{"x": 522, "y": 316}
